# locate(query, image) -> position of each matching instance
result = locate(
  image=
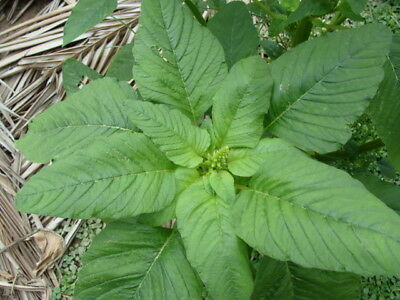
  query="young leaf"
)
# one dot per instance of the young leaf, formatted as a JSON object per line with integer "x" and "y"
{"x": 317, "y": 216}
{"x": 234, "y": 28}
{"x": 95, "y": 110}
{"x": 177, "y": 60}
{"x": 385, "y": 108}
{"x": 184, "y": 177}
{"x": 284, "y": 280}
{"x": 132, "y": 261}
{"x": 113, "y": 178}
{"x": 85, "y": 15}
{"x": 73, "y": 71}
{"x": 241, "y": 103}
{"x": 122, "y": 64}
{"x": 313, "y": 89}
{"x": 309, "y": 8}
{"x": 223, "y": 185}
{"x": 212, "y": 248}
{"x": 182, "y": 142}
{"x": 388, "y": 192}
{"x": 246, "y": 162}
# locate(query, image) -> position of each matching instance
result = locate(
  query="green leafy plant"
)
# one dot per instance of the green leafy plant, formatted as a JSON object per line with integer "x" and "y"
{"x": 225, "y": 158}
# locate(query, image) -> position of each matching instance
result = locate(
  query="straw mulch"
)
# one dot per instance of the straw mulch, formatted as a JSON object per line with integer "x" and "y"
{"x": 31, "y": 57}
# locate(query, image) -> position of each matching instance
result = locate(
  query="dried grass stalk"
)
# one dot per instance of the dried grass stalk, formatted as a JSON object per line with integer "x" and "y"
{"x": 31, "y": 57}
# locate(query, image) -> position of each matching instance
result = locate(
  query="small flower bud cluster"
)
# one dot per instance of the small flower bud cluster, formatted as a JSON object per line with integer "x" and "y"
{"x": 218, "y": 159}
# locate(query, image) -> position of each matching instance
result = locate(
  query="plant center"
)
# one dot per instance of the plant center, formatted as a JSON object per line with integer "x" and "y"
{"x": 217, "y": 160}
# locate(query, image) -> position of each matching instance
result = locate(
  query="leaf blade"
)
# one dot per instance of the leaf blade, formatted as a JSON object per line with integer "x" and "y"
{"x": 183, "y": 143}
{"x": 73, "y": 71}
{"x": 296, "y": 282}
{"x": 121, "y": 265}
{"x": 122, "y": 64}
{"x": 212, "y": 247}
{"x": 234, "y": 28}
{"x": 175, "y": 64}
{"x": 241, "y": 103}
{"x": 388, "y": 192}
{"x": 309, "y": 112}
{"x": 95, "y": 110}
{"x": 111, "y": 179}
{"x": 84, "y": 17}
{"x": 301, "y": 210}
{"x": 385, "y": 107}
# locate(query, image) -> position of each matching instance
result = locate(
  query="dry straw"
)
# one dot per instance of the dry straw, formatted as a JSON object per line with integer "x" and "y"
{"x": 31, "y": 57}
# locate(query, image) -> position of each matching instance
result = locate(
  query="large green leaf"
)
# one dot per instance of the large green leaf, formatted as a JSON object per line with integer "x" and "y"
{"x": 234, "y": 28}
{"x": 287, "y": 281}
{"x": 317, "y": 95}
{"x": 385, "y": 108}
{"x": 309, "y": 8}
{"x": 73, "y": 71}
{"x": 122, "y": 63}
{"x": 212, "y": 248}
{"x": 119, "y": 176}
{"x": 85, "y": 15}
{"x": 317, "y": 216}
{"x": 95, "y": 110}
{"x": 388, "y": 192}
{"x": 182, "y": 142}
{"x": 177, "y": 60}
{"x": 133, "y": 261}
{"x": 246, "y": 162}
{"x": 241, "y": 104}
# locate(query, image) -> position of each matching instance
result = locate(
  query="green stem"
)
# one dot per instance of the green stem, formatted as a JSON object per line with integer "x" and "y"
{"x": 302, "y": 32}
{"x": 196, "y": 12}
{"x": 340, "y": 154}
{"x": 370, "y": 146}
{"x": 241, "y": 187}
{"x": 338, "y": 19}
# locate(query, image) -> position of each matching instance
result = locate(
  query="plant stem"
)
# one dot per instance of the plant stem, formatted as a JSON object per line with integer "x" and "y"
{"x": 196, "y": 12}
{"x": 338, "y": 19}
{"x": 369, "y": 146}
{"x": 241, "y": 187}
{"x": 302, "y": 32}
{"x": 372, "y": 145}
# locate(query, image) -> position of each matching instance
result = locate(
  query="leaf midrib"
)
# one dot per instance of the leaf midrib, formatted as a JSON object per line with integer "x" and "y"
{"x": 289, "y": 107}
{"x": 153, "y": 263}
{"x": 184, "y": 140}
{"x": 96, "y": 180}
{"x": 83, "y": 125}
{"x": 393, "y": 68}
{"x": 193, "y": 115}
{"x": 219, "y": 206}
